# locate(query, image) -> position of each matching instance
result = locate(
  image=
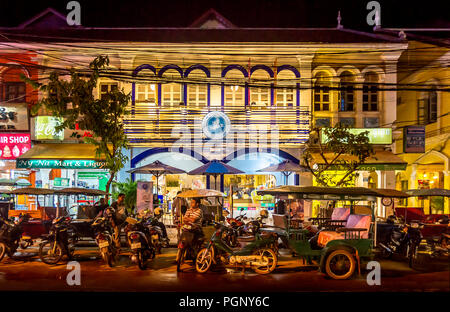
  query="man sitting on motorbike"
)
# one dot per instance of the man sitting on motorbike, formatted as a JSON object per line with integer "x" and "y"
{"x": 192, "y": 220}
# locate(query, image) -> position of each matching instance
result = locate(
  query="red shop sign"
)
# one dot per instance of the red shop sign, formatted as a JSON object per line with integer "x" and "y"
{"x": 12, "y": 145}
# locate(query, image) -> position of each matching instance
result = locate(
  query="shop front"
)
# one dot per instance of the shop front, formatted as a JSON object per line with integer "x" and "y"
{"x": 378, "y": 171}
{"x": 62, "y": 165}
{"x": 428, "y": 171}
{"x": 243, "y": 186}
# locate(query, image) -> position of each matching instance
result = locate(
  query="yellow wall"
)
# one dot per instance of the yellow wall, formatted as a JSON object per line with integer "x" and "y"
{"x": 432, "y": 62}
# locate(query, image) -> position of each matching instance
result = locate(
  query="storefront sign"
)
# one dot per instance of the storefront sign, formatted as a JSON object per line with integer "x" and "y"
{"x": 14, "y": 117}
{"x": 12, "y": 145}
{"x": 60, "y": 164}
{"x": 375, "y": 135}
{"x": 45, "y": 128}
{"x": 216, "y": 125}
{"x": 414, "y": 139}
{"x": 61, "y": 182}
{"x": 144, "y": 196}
{"x": 85, "y": 175}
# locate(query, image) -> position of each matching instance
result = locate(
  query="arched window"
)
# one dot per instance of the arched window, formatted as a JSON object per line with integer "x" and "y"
{"x": 146, "y": 93}
{"x": 322, "y": 92}
{"x": 234, "y": 90}
{"x": 171, "y": 92}
{"x": 370, "y": 92}
{"x": 197, "y": 94}
{"x": 260, "y": 96}
{"x": 285, "y": 96}
{"x": 346, "y": 92}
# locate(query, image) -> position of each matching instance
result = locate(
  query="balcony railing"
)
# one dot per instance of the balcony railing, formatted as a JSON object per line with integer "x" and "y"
{"x": 155, "y": 126}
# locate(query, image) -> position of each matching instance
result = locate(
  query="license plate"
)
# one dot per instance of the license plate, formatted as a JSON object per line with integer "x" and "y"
{"x": 103, "y": 244}
{"x": 135, "y": 245}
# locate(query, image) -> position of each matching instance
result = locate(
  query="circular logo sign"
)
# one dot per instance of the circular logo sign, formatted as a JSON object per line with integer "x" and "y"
{"x": 216, "y": 125}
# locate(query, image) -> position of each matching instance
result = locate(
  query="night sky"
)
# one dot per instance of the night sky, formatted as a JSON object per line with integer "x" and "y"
{"x": 243, "y": 13}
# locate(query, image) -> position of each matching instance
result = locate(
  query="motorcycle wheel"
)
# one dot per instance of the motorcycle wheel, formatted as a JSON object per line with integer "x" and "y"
{"x": 204, "y": 260}
{"x": 272, "y": 261}
{"x": 50, "y": 252}
{"x": 340, "y": 264}
{"x": 107, "y": 256}
{"x": 141, "y": 260}
{"x": 416, "y": 261}
{"x": 181, "y": 256}
{"x": 2, "y": 251}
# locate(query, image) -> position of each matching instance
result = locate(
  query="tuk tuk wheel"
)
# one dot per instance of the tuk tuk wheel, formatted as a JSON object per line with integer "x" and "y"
{"x": 272, "y": 261}
{"x": 340, "y": 264}
{"x": 204, "y": 260}
{"x": 2, "y": 251}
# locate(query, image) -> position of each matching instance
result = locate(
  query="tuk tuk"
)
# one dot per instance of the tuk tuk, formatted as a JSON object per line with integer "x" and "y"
{"x": 211, "y": 203}
{"x": 338, "y": 248}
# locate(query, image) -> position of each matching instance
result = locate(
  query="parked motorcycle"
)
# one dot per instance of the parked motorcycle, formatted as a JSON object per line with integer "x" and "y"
{"x": 188, "y": 246}
{"x": 11, "y": 235}
{"x": 437, "y": 247}
{"x": 404, "y": 240}
{"x": 104, "y": 238}
{"x": 157, "y": 237}
{"x": 257, "y": 254}
{"x": 140, "y": 242}
{"x": 58, "y": 242}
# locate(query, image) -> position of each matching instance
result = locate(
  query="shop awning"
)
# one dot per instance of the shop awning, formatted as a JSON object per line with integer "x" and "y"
{"x": 381, "y": 160}
{"x": 61, "y": 156}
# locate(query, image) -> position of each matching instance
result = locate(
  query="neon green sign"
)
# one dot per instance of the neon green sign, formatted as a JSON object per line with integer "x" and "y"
{"x": 59, "y": 164}
{"x": 376, "y": 135}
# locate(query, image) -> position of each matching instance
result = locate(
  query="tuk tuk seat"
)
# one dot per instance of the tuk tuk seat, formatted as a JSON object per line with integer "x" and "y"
{"x": 338, "y": 219}
{"x": 357, "y": 227}
{"x": 280, "y": 224}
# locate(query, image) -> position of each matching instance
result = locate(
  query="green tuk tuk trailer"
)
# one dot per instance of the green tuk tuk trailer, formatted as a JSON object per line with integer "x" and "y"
{"x": 339, "y": 251}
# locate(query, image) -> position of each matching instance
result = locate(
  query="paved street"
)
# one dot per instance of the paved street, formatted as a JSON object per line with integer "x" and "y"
{"x": 26, "y": 272}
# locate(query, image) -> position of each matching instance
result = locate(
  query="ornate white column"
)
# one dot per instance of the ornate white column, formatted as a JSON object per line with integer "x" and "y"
{"x": 216, "y": 74}
{"x": 305, "y": 66}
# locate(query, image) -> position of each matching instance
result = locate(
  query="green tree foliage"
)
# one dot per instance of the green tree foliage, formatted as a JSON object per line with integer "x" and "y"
{"x": 129, "y": 188}
{"x": 74, "y": 100}
{"x": 347, "y": 150}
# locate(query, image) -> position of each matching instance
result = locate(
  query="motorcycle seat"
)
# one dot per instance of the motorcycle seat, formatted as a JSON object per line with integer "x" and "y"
{"x": 246, "y": 238}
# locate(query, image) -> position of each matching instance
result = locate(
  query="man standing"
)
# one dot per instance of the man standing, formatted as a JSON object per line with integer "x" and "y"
{"x": 120, "y": 217}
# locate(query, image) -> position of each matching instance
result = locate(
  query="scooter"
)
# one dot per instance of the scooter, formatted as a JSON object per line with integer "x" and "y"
{"x": 156, "y": 233}
{"x": 11, "y": 236}
{"x": 188, "y": 245}
{"x": 256, "y": 254}
{"x": 139, "y": 240}
{"x": 104, "y": 238}
{"x": 57, "y": 243}
{"x": 404, "y": 240}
